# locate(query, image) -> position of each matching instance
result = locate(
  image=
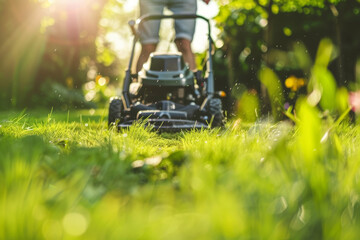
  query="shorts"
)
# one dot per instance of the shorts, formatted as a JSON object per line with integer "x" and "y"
{"x": 149, "y": 30}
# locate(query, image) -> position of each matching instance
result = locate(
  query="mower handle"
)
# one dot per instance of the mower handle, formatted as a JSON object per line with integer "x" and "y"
{"x": 139, "y": 21}
{"x": 210, "y": 86}
{"x": 148, "y": 17}
{"x": 173, "y": 16}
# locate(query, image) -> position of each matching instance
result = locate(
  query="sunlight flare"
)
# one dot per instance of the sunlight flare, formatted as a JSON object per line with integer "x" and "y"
{"x": 130, "y": 5}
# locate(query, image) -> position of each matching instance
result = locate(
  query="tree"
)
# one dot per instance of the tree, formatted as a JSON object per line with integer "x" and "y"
{"x": 44, "y": 40}
{"x": 259, "y": 33}
{"x": 21, "y": 48}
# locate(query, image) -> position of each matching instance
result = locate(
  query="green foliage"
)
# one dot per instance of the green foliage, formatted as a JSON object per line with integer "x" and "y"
{"x": 342, "y": 100}
{"x": 325, "y": 84}
{"x": 22, "y": 47}
{"x": 322, "y": 86}
{"x": 248, "y": 107}
{"x": 58, "y": 96}
{"x": 274, "y": 87}
{"x": 277, "y": 5}
{"x": 45, "y": 40}
{"x": 322, "y": 89}
{"x": 113, "y": 42}
{"x": 284, "y": 36}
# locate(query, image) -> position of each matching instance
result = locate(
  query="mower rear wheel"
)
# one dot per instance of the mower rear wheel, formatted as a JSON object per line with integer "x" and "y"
{"x": 115, "y": 111}
{"x": 214, "y": 108}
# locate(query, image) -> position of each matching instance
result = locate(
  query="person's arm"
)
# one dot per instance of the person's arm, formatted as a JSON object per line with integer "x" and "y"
{"x": 206, "y": 1}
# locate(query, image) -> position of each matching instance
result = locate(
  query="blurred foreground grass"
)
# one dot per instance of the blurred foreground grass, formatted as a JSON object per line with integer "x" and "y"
{"x": 65, "y": 176}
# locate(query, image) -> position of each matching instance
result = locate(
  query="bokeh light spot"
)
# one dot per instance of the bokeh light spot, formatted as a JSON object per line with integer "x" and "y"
{"x": 287, "y": 31}
{"x": 102, "y": 81}
{"x": 74, "y": 224}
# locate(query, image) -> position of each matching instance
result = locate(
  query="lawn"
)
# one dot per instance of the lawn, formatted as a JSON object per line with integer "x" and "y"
{"x": 64, "y": 175}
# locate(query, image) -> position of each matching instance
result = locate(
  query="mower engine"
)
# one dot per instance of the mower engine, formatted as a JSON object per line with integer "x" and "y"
{"x": 167, "y": 78}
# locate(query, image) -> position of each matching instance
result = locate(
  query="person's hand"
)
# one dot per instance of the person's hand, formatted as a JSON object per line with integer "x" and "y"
{"x": 206, "y": 1}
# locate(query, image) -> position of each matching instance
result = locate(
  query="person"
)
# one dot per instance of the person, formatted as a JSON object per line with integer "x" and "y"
{"x": 149, "y": 30}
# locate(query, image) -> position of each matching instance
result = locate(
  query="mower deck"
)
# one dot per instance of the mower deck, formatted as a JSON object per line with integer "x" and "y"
{"x": 168, "y": 125}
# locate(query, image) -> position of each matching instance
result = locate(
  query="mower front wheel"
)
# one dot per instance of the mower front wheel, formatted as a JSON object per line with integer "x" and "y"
{"x": 115, "y": 111}
{"x": 214, "y": 109}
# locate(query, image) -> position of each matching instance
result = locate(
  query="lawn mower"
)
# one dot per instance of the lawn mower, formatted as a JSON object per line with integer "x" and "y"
{"x": 168, "y": 95}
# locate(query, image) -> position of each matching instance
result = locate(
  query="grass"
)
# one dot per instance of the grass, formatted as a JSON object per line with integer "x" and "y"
{"x": 66, "y": 176}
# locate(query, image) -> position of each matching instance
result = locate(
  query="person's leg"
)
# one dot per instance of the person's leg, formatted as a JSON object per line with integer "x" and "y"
{"x": 184, "y": 46}
{"x": 149, "y": 30}
{"x": 146, "y": 50}
{"x": 185, "y": 29}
